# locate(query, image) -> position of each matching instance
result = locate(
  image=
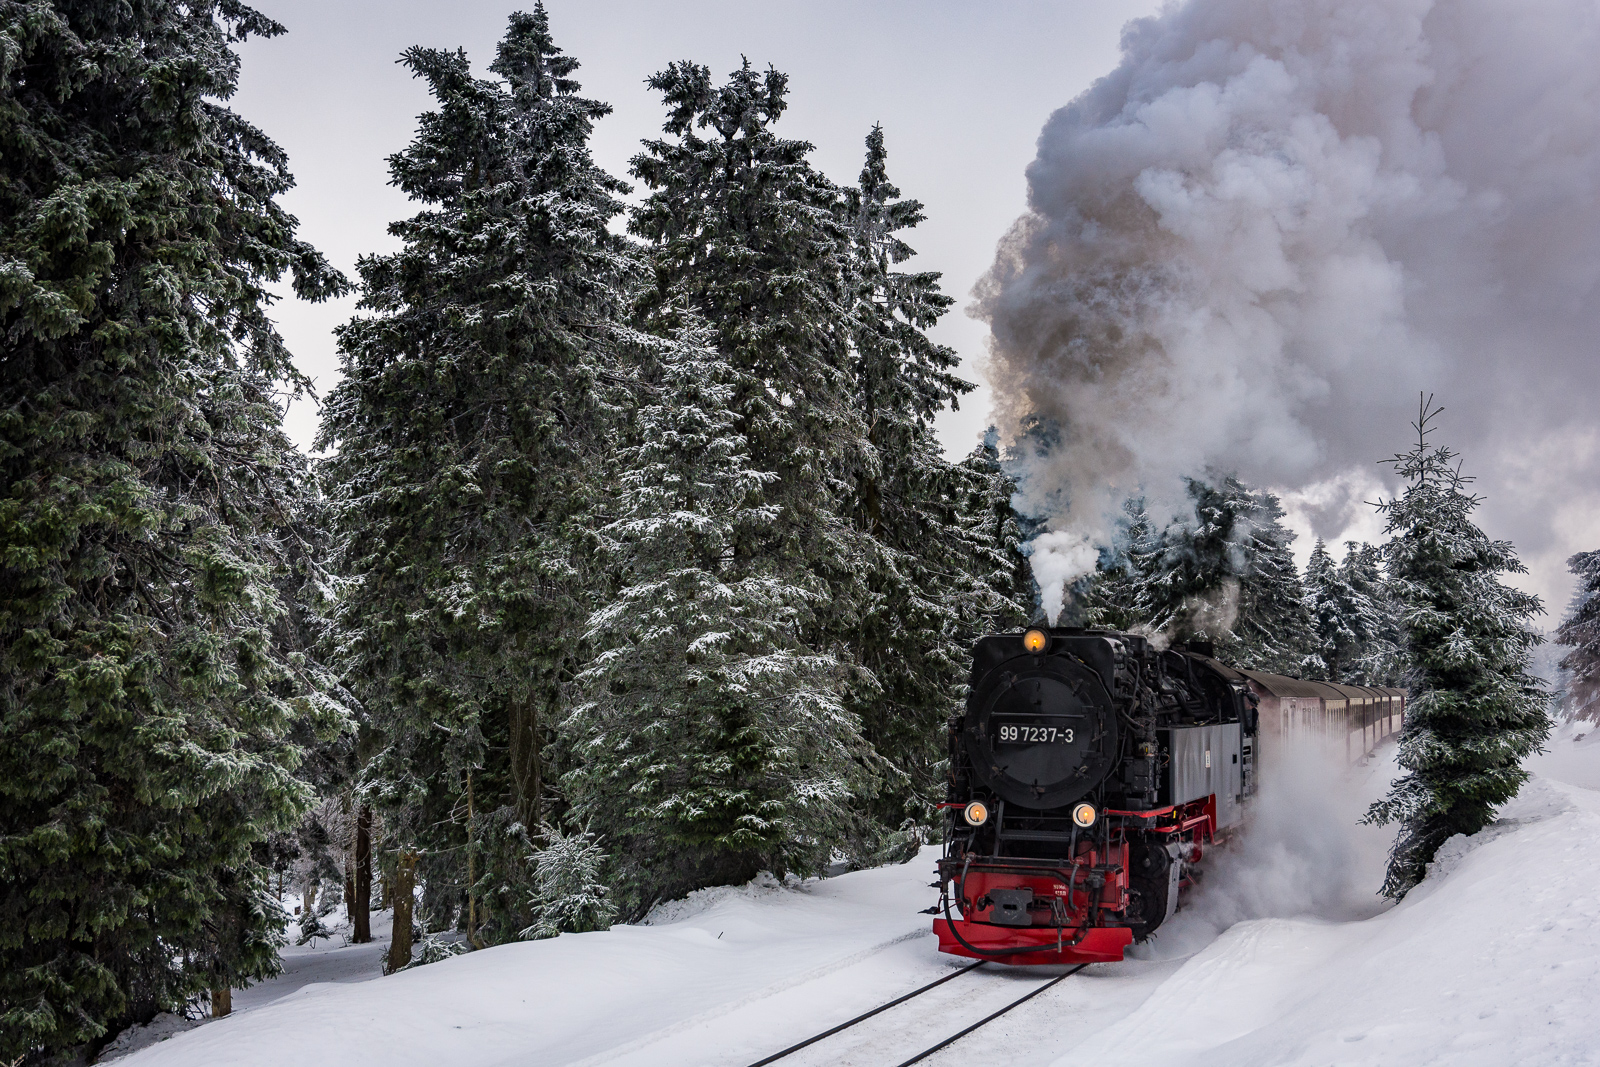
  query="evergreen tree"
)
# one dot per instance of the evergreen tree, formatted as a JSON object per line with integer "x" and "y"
{"x": 1229, "y": 576}
{"x": 746, "y": 234}
{"x": 1111, "y": 598}
{"x": 993, "y": 521}
{"x": 747, "y": 237}
{"x": 1581, "y": 630}
{"x": 1344, "y": 619}
{"x": 471, "y": 427}
{"x": 1380, "y": 657}
{"x": 1475, "y": 712}
{"x": 929, "y": 587}
{"x": 151, "y": 513}
{"x": 713, "y": 743}
{"x": 569, "y": 896}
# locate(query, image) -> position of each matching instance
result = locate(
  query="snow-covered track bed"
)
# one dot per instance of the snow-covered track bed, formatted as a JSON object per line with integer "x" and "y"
{"x": 896, "y": 1002}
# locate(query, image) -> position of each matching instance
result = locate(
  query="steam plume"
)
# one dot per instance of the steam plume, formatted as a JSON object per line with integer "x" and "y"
{"x": 1254, "y": 242}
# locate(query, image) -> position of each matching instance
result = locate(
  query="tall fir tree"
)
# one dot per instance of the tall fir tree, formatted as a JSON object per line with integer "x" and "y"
{"x": 1380, "y": 658}
{"x": 1111, "y": 597}
{"x": 745, "y": 235}
{"x": 1344, "y": 619}
{"x": 1581, "y": 630}
{"x": 151, "y": 513}
{"x": 470, "y": 428}
{"x": 1475, "y": 711}
{"x": 1229, "y": 576}
{"x": 993, "y": 521}
{"x": 713, "y": 743}
{"x": 931, "y": 560}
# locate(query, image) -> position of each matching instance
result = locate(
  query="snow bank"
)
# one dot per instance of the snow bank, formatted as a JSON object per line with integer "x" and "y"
{"x": 574, "y": 996}
{"x": 1491, "y": 961}
{"x": 1284, "y": 956}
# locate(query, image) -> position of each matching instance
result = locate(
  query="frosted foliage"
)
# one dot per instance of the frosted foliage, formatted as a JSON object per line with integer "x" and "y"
{"x": 1345, "y": 619}
{"x": 1581, "y": 630}
{"x": 1252, "y": 243}
{"x": 569, "y": 894}
{"x": 1476, "y": 713}
{"x": 712, "y": 739}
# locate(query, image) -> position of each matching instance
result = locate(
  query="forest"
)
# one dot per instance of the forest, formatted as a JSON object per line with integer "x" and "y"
{"x": 628, "y": 563}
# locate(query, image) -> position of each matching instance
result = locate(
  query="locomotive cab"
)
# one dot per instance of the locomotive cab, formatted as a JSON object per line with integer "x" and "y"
{"x": 1088, "y": 768}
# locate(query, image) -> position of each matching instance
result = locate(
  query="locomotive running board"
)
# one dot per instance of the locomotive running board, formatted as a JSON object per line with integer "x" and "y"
{"x": 1102, "y": 944}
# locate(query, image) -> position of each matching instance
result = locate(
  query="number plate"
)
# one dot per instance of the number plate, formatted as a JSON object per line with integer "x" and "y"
{"x": 1033, "y": 733}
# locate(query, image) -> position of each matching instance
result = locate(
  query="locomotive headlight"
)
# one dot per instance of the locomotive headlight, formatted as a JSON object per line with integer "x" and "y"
{"x": 1035, "y": 641}
{"x": 1084, "y": 815}
{"x": 977, "y": 813}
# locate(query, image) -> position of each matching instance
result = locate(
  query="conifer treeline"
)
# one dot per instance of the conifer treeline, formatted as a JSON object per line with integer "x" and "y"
{"x": 646, "y": 539}
{"x": 635, "y": 565}
{"x": 1226, "y": 575}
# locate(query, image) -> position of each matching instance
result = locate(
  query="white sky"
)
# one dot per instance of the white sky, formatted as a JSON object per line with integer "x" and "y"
{"x": 961, "y": 89}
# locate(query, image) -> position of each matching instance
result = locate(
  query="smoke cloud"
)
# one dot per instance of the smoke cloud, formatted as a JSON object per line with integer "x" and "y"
{"x": 1251, "y": 245}
{"x": 1302, "y": 852}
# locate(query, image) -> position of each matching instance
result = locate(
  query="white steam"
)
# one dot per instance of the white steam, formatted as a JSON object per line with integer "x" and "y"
{"x": 1302, "y": 852}
{"x": 1058, "y": 558}
{"x": 1252, "y": 244}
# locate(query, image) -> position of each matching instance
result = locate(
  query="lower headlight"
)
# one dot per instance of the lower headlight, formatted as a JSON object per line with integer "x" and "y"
{"x": 1084, "y": 815}
{"x": 977, "y": 813}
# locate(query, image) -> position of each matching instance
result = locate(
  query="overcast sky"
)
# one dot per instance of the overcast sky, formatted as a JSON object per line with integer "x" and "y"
{"x": 961, "y": 89}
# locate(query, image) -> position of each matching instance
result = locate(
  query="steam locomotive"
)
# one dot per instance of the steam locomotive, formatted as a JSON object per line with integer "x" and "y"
{"x": 1091, "y": 770}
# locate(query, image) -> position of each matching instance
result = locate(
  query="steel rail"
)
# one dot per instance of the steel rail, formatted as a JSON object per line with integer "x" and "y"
{"x": 953, "y": 1038}
{"x": 865, "y": 1015}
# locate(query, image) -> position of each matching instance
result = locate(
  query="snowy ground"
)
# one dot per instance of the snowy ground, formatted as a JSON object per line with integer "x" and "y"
{"x": 1283, "y": 957}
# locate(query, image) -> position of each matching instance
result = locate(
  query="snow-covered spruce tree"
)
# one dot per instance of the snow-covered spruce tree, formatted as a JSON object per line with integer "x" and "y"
{"x": 471, "y": 430}
{"x": 931, "y": 559}
{"x": 1380, "y": 658}
{"x": 1581, "y": 630}
{"x": 1229, "y": 576}
{"x": 1475, "y": 712}
{"x": 992, "y": 521}
{"x": 148, "y": 508}
{"x": 569, "y": 896}
{"x": 713, "y": 742}
{"x": 745, "y": 235}
{"x": 1344, "y": 619}
{"x": 1111, "y": 598}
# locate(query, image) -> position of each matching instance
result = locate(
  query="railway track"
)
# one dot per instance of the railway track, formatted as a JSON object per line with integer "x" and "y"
{"x": 929, "y": 1051}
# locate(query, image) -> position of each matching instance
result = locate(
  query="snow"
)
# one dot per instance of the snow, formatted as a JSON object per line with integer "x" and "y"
{"x": 334, "y": 960}
{"x": 1283, "y": 956}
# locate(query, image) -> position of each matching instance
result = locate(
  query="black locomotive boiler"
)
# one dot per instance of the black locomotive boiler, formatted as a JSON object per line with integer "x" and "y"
{"x": 1089, "y": 770}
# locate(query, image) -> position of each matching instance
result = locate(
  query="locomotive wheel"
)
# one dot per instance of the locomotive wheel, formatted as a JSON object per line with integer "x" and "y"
{"x": 1149, "y": 885}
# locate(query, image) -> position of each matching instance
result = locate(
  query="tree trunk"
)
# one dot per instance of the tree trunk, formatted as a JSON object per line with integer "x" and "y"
{"x": 309, "y": 899}
{"x": 361, "y": 900}
{"x": 221, "y": 1002}
{"x": 526, "y": 778}
{"x": 405, "y": 869}
{"x": 472, "y": 872}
